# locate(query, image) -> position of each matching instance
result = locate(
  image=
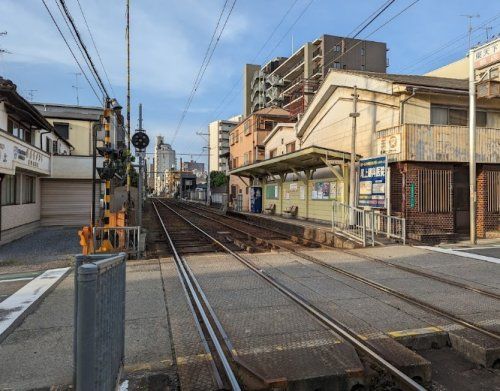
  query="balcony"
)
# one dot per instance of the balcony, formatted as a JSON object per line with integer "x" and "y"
{"x": 437, "y": 143}
{"x": 73, "y": 167}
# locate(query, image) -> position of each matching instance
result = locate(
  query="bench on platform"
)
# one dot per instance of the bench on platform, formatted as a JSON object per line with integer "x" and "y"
{"x": 270, "y": 209}
{"x": 291, "y": 211}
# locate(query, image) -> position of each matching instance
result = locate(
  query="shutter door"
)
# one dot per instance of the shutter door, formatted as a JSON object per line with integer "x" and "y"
{"x": 66, "y": 202}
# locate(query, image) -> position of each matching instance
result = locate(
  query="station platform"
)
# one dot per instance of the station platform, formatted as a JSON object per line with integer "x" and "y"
{"x": 304, "y": 230}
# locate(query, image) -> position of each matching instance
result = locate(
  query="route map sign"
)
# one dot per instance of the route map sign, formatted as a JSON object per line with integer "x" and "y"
{"x": 372, "y": 182}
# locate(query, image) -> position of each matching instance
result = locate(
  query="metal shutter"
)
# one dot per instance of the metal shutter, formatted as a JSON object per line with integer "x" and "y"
{"x": 66, "y": 202}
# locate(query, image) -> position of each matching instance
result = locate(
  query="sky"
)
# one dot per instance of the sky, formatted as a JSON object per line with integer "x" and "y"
{"x": 169, "y": 39}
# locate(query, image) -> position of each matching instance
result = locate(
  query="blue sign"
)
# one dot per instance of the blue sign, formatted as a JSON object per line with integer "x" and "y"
{"x": 372, "y": 182}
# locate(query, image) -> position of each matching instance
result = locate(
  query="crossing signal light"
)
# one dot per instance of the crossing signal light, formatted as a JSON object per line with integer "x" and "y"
{"x": 140, "y": 140}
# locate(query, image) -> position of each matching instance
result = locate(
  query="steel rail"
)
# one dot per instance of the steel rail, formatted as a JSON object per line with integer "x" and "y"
{"x": 367, "y": 257}
{"x": 340, "y": 329}
{"x": 408, "y": 298}
{"x": 184, "y": 274}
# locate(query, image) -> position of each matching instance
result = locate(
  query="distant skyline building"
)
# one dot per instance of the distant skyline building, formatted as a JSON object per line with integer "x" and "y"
{"x": 193, "y": 166}
{"x": 219, "y": 142}
{"x": 164, "y": 160}
{"x": 290, "y": 83}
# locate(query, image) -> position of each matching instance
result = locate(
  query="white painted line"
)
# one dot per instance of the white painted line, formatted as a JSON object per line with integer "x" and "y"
{"x": 461, "y": 254}
{"x": 17, "y": 306}
{"x": 17, "y": 279}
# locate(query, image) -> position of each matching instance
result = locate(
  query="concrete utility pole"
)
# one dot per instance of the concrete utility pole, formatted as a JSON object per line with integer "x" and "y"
{"x": 472, "y": 148}
{"x": 208, "y": 164}
{"x": 352, "y": 173}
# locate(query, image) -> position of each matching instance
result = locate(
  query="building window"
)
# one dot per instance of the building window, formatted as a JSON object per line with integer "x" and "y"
{"x": 29, "y": 189}
{"x": 481, "y": 118}
{"x": 493, "y": 191}
{"x": 10, "y": 126}
{"x": 62, "y": 129}
{"x": 441, "y": 115}
{"x": 457, "y": 117}
{"x": 8, "y": 190}
{"x": 362, "y": 51}
{"x": 273, "y": 153}
{"x": 337, "y": 65}
{"x": 336, "y": 48}
{"x": 290, "y": 147}
{"x": 434, "y": 191}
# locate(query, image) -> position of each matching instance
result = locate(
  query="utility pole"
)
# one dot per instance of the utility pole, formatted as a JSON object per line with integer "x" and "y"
{"x": 352, "y": 173}
{"x": 129, "y": 163}
{"x": 208, "y": 163}
{"x": 469, "y": 30}
{"x": 472, "y": 148}
{"x": 77, "y": 87}
{"x": 140, "y": 184}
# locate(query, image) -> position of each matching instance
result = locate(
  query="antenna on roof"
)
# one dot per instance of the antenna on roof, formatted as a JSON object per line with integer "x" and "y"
{"x": 30, "y": 94}
{"x": 469, "y": 30}
{"x": 76, "y": 87}
{"x": 3, "y": 51}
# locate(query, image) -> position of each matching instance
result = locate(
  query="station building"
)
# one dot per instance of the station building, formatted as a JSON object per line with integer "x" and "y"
{"x": 418, "y": 122}
{"x": 27, "y": 143}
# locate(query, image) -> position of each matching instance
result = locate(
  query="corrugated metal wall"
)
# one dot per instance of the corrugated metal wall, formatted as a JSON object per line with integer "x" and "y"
{"x": 66, "y": 202}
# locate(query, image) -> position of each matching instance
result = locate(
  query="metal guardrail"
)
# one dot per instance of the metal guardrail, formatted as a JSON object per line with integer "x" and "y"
{"x": 363, "y": 226}
{"x": 123, "y": 239}
{"x": 99, "y": 316}
{"x": 392, "y": 226}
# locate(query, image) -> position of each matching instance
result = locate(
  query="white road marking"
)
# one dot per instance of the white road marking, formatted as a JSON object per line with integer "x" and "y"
{"x": 17, "y": 279}
{"x": 16, "y": 307}
{"x": 461, "y": 254}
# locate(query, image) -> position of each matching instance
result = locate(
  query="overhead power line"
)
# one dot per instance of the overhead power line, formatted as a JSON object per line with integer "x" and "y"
{"x": 204, "y": 67}
{"x": 95, "y": 47}
{"x": 82, "y": 44}
{"x": 71, "y": 50}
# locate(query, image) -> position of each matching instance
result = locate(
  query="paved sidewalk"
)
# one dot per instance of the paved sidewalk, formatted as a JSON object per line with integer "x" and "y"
{"x": 39, "y": 353}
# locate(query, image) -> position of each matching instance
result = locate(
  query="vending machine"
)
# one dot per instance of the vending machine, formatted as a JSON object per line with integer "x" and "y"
{"x": 255, "y": 199}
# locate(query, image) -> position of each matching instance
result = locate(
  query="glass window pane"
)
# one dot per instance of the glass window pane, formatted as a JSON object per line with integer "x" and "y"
{"x": 458, "y": 117}
{"x": 493, "y": 119}
{"x": 481, "y": 118}
{"x": 439, "y": 115}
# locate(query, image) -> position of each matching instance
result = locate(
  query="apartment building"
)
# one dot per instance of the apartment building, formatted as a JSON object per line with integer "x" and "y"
{"x": 419, "y": 123}
{"x": 247, "y": 146}
{"x": 291, "y": 82}
{"x": 164, "y": 160}
{"x": 219, "y": 142}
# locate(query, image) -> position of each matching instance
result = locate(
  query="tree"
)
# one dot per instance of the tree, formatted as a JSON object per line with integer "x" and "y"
{"x": 217, "y": 178}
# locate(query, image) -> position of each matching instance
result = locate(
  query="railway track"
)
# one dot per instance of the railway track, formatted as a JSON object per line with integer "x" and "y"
{"x": 226, "y": 366}
{"x": 217, "y": 218}
{"x": 421, "y": 273}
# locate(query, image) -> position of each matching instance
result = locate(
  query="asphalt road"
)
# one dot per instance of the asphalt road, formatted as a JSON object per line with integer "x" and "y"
{"x": 47, "y": 244}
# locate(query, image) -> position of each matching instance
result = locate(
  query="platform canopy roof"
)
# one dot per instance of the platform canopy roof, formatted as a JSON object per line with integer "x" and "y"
{"x": 310, "y": 158}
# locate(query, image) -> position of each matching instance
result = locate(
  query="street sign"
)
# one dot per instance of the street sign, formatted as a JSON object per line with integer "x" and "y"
{"x": 487, "y": 54}
{"x": 140, "y": 140}
{"x": 372, "y": 182}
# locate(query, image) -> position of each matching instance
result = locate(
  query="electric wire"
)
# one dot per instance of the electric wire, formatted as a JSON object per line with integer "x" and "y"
{"x": 204, "y": 67}
{"x": 71, "y": 50}
{"x": 61, "y": 11}
{"x": 95, "y": 47}
{"x": 80, "y": 40}
{"x": 215, "y": 112}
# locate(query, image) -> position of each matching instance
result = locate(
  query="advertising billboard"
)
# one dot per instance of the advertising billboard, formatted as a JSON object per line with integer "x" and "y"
{"x": 372, "y": 182}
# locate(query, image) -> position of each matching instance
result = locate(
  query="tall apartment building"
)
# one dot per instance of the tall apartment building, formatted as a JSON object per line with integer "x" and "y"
{"x": 219, "y": 142}
{"x": 291, "y": 82}
{"x": 164, "y": 160}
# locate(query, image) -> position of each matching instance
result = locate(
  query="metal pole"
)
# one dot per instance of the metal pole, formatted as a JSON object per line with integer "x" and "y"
{"x": 472, "y": 149}
{"x": 352, "y": 173}
{"x": 140, "y": 179}
{"x": 208, "y": 171}
{"x": 129, "y": 163}
{"x": 94, "y": 164}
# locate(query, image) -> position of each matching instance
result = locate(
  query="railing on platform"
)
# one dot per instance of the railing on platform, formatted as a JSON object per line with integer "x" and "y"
{"x": 364, "y": 226}
{"x": 392, "y": 226}
{"x": 99, "y": 313}
{"x": 122, "y": 239}
{"x": 351, "y": 221}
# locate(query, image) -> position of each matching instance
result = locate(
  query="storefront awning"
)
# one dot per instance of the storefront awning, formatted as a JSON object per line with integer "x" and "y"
{"x": 310, "y": 158}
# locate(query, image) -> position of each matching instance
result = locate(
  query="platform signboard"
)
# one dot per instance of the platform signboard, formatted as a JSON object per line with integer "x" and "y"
{"x": 372, "y": 182}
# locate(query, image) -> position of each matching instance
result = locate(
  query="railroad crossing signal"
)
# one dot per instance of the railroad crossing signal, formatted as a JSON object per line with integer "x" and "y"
{"x": 140, "y": 140}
